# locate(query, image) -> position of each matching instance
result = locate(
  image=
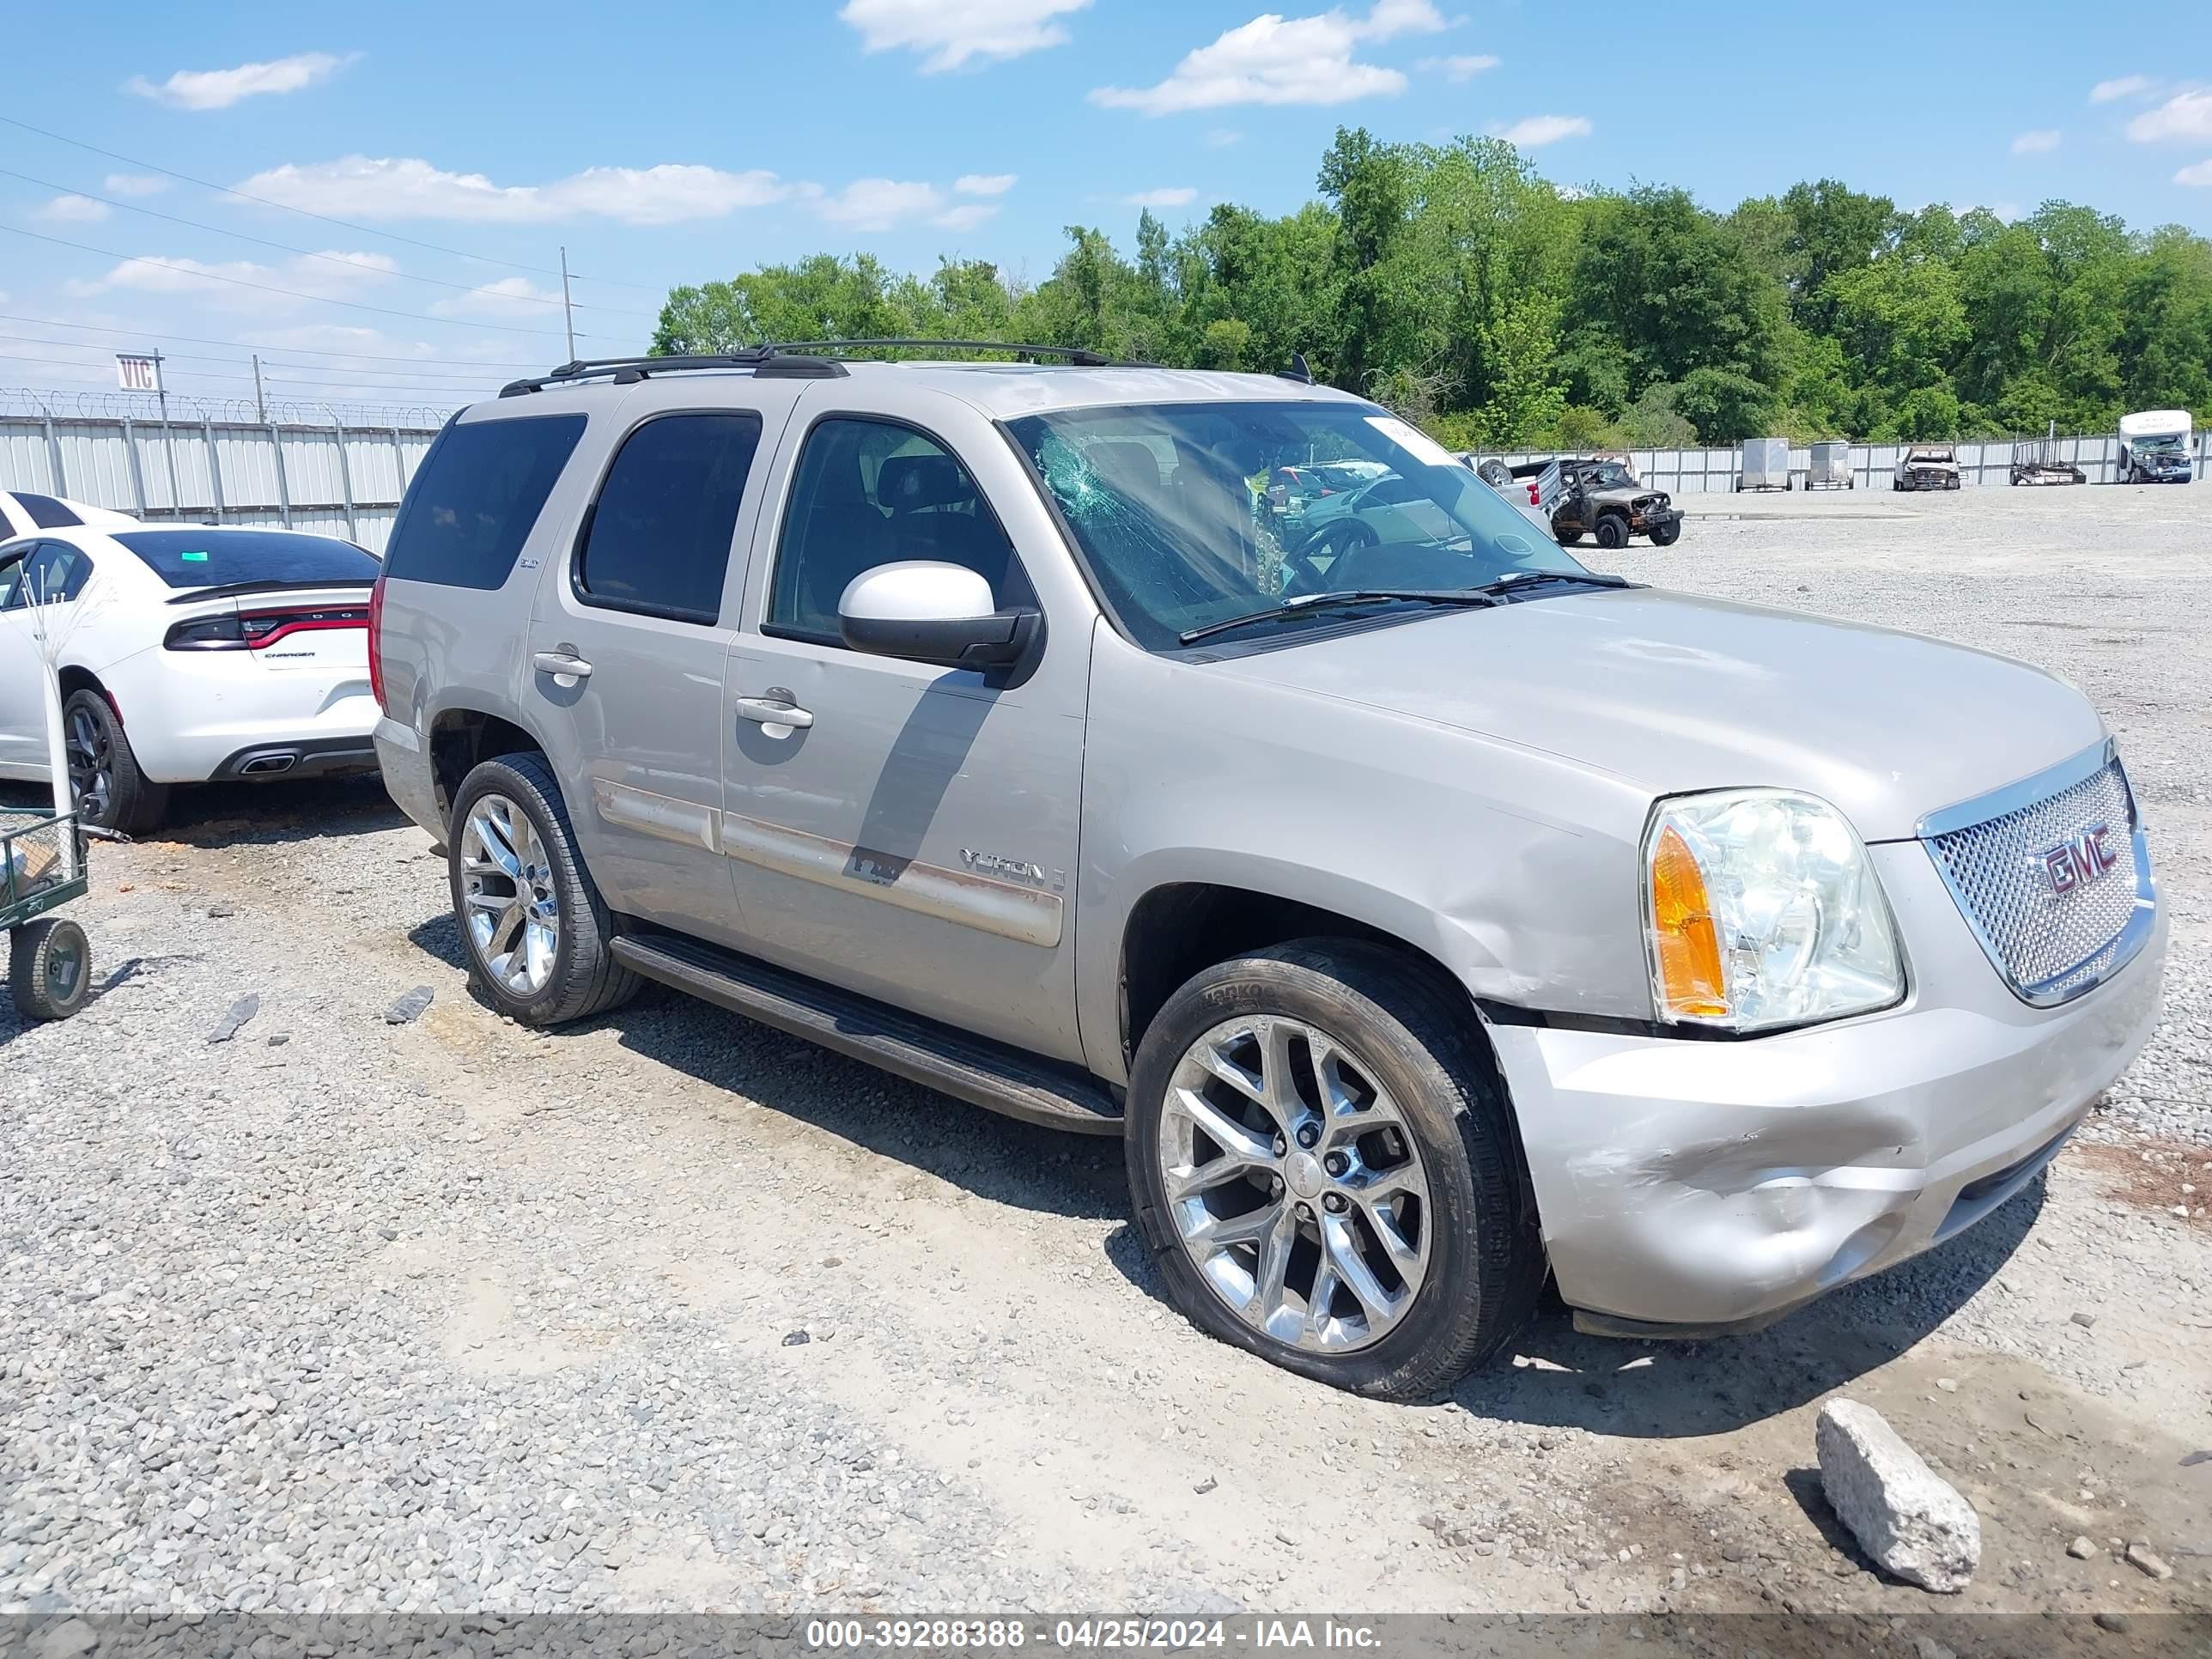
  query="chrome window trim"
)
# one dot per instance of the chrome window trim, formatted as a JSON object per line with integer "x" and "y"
{"x": 2124, "y": 946}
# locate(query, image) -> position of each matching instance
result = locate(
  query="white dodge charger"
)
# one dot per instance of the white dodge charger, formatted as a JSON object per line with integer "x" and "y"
{"x": 186, "y": 655}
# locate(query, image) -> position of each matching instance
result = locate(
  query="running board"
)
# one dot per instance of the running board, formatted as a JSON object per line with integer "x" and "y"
{"x": 971, "y": 1069}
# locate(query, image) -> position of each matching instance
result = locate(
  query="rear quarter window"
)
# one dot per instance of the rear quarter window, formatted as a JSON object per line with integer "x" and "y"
{"x": 475, "y": 497}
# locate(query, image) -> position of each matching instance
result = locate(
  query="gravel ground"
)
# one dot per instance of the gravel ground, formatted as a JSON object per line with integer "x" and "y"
{"x": 669, "y": 1311}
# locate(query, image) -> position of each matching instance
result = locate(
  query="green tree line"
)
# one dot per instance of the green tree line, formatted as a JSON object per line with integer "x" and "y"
{"x": 1452, "y": 283}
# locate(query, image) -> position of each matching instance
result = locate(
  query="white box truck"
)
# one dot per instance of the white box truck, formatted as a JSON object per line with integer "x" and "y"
{"x": 2154, "y": 447}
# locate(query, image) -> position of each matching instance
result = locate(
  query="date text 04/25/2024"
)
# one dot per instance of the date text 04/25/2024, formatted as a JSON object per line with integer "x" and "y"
{"x": 1167, "y": 1635}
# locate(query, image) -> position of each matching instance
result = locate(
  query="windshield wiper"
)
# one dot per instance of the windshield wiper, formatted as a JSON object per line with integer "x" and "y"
{"x": 1515, "y": 580}
{"x": 1304, "y": 602}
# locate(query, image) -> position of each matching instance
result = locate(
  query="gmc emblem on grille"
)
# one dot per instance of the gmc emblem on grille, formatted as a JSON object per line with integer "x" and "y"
{"x": 2077, "y": 862}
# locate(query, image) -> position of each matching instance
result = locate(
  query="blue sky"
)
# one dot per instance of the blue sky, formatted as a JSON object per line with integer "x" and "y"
{"x": 676, "y": 143}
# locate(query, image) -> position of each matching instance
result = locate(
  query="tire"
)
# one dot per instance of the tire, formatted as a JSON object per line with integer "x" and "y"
{"x": 49, "y": 968}
{"x": 1566, "y": 538}
{"x": 1612, "y": 530}
{"x": 1666, "y": 535}
{"x": 109, "y": 789}
{"x": 1393, "y": 1021}
{"x": 582, "y": 978}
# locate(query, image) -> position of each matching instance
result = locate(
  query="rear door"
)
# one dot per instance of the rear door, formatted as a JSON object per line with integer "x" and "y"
{"x": 629, "y": 644}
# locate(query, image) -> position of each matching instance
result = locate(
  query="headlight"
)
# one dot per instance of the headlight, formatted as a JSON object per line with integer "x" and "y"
{"x": 1763, "y": 911}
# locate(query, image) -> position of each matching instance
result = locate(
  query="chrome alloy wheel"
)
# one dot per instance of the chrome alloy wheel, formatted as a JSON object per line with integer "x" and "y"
{"x": 512, "y": 909}
{"x": 1294, "y": 1184}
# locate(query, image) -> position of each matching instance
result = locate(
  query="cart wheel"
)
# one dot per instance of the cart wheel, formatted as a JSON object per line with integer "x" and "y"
{"x": 49, "y": 968}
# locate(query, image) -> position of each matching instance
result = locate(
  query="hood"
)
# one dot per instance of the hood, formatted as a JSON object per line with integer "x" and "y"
{"x": 1676, "y": 693}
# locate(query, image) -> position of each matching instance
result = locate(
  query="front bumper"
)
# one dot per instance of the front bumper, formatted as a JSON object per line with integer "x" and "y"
{"x": 1703, "y": 1184}
{"x": 1656, "y": 517}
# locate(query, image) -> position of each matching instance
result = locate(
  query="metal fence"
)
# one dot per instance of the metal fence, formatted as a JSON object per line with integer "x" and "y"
{"x": 1988, "y": 462}
{"x": 337, "y": 479}
{"x": 347, "y": 480}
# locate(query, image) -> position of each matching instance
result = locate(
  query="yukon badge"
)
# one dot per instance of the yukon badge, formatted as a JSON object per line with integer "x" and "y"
{"x": 2078, "y": 862}
{"x": 992, "y": 864}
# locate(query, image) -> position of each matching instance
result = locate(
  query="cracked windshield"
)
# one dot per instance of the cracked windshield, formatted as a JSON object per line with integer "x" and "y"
{"x": 1193, "y": 514}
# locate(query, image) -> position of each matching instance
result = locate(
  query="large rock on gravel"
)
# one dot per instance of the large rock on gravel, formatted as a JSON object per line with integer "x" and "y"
{"x": 1904, "y": 1516}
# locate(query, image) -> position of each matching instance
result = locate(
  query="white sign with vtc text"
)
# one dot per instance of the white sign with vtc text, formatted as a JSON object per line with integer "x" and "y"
{"x": 137, "y": 374}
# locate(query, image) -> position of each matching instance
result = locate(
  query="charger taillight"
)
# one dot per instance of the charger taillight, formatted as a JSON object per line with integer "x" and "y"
{"x": 224, "y": 633}
{"x": 376, "y": 640}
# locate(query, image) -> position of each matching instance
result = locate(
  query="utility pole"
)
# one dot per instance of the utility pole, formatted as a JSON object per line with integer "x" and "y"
{"x": 168, "y": 439}
{"x": 567, "y": 311}
{"x": 260, "y": 406}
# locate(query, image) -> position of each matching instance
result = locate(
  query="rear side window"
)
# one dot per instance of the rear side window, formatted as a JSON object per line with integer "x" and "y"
{"x": 476, "y": 496}
{"x": 218, "y": 558}
{"x": 656, "y": 540}
{"x": 9, "y": 527}
{"x": 56, "y": 573}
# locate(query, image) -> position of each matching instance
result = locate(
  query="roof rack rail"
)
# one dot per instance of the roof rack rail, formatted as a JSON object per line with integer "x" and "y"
{"x": 767, "y": 360}
{"x": 1081, "y": 356}
{"x": 807, "y": 360}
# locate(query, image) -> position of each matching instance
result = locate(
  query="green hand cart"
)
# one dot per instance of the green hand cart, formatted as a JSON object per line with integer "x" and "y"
{"x": 42, "y": 868}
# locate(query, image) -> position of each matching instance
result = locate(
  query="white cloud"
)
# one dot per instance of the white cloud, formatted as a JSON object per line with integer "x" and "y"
{"x": 2200, "y": 173}
{"x": 1277, "y": 60}
{"x": 71, "y": 210}
{"x": 2125, "y": 86}
{"x": 951, "y": 32}
{"x": 1172, "y": 196}
{"x": 1222, "y": 137}
{"x": 204, "y": 89}
{"x": 984, "y": 184}
{"x": 510, "y": 296}
{"x": 2184, "y": 115}
{"x": 1539, "y": 130}
{"x": 133, "y": 184}
{"x": 307, "y": 278}
{"x": 367, "y": 187}
{"x": 879, "y": 203}
{"x": 1464, "y": 67}
{"x": 2040, "y": 142}
{"x": 967, "y": 216}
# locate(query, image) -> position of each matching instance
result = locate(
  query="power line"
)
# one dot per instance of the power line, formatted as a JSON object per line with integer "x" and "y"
{"x": 244, "y": 345}
{"x": 307, "y": 254}
{"x": 347, "y": 224}
{"x": 430, "y": 369}
{"x": 288, "y": 292}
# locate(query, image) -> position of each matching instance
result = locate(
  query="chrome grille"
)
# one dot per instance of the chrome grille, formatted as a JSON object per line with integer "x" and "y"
{"x": 2048, "y": 944}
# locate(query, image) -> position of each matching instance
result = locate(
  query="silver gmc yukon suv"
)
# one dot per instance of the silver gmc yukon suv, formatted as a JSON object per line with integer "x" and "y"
{"x": 1429, "y": 914}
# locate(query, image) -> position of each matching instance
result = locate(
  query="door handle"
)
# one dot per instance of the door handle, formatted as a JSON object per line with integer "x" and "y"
{"x": 775, "y": 710}
{"x": 561, "y": 661}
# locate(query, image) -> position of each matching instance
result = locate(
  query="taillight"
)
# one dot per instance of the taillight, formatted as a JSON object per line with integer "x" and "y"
{"x": 224, "y": 633}
{"x": 376, "y": 642}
